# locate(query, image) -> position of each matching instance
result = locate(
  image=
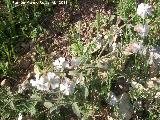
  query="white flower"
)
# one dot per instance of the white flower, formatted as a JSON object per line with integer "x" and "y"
{"x": 34, "y": 82}
{"x": 60, "y": 63}
{"x": 53, "y": 79}
{"x": 47, "y": 82}
{"x": 19, "y": 116}
{"x": 67, "y": 87}
{"x": 133, "y": 48}
{"x": 143, "y": 10}
{"x": 42, "y": 84}
{"x": 142, "y": 29}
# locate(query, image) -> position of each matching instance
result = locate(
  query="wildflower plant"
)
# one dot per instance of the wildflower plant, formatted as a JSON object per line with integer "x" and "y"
{"x": 109, "y": 72}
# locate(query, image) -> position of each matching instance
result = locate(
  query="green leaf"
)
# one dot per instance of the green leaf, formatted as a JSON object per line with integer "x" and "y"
{"x": 73, "y": 73}
{"x": 12, "y": 105}
{"x": 36, "y": 97}
{"x": 48, "y": 104}
{"x": 112, "y": 18}
{"x": 105, "y": 89}
{"x": 52, "y": 109}
{"x": 77, "y": 48}
{"x": 76, "y": 109}
{"x": 33, "y": 111}
{"x": 86, "y": 92}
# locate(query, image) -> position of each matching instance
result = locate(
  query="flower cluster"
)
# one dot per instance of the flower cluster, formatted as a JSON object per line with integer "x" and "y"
{"x": 51, "y": 81}
{"x": 61, "y": 64}
{"x": 143, "y": 11}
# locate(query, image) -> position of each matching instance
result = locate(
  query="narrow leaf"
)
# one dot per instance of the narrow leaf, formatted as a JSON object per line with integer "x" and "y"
{"x": 76, "y": 109}
{"x": 48, "y": 104}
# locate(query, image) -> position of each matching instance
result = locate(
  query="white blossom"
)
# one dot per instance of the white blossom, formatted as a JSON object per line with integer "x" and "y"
{"x": 143, "y": 10}
{"x": 40, "y": 84}
{"x": 45, "y": 83}
{"x": 19, "y": 116}
{"x": 61, "y": 63}
{"x": 53, "y": 80}
{"x": 133, "y": 48}
{"x": 142, "y": 29}
{"x": 67, "y": 87}
{"x": 34, "y": 82}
